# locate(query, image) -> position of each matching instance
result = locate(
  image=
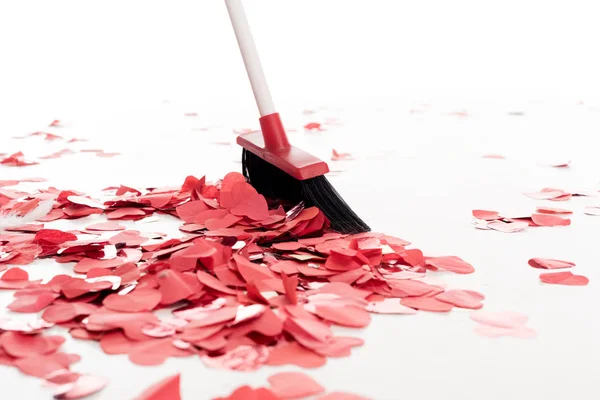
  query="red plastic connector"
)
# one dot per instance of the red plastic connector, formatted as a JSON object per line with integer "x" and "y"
{"x": 272, "y": 145}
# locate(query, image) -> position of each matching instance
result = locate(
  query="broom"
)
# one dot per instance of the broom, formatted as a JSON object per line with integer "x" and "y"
{"x": 271, "y": 165}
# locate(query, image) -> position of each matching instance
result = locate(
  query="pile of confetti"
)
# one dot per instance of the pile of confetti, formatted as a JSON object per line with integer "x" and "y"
{"x": 250, "y": 283}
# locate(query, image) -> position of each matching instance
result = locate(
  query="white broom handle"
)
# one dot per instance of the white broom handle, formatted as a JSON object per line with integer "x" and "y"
{"x": 262, "y": 95}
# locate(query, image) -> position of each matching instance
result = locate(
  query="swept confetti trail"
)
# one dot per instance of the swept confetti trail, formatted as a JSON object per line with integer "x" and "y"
{"x": 493, "y": 220}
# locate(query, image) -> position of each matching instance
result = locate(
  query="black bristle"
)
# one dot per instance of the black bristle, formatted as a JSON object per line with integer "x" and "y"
{"x": 273, "y": 183}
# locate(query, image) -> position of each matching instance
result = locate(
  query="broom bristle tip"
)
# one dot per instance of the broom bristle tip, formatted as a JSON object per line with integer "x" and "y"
{"x": 274, "y": 183}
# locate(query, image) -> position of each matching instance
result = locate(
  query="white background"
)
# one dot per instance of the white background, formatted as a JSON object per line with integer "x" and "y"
{"x": 123, "y": 73}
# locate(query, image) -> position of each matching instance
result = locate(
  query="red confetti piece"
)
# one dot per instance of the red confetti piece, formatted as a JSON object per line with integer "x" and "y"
{"x": 451, "y": 263}
{"x": 84, "y": 386}
{"x": 350, "y": 316}
{"x": 79, "y": 287}
{"x": 547, "y": 194}
{"x": 552, "y": 210}
{"x": 566, "y": 278}
{"x": 426, "y": 304}
{"x": 30, "y": 228}
{"x": 106, "y": 226}
{"x": 248, "y": 393}
{"x": 547, "y": 263}
{"x": 242, "y": 358}
{"x": 137, "y": 301}
{"x": 41, "y": 366}
{"x": 123, "y": 213}
{"x": 17, "y": 160}
{"x": 389, "y": 306}
{"x": 254, "y": 208}
{"x": 215, "y": 224}
{"x": 212, "y": 282}
{"x": 335, "y": 156}
{"x": 508, "y": 227}
{"x": 486, "y": 215}
{"x": 339, "y": 346}
{"x": 168, "y": 388}
{"x": 549, "y": 220}
{"x": 15, "y": 278}
{"x": 32, "y": 303}
{"x": 462, "y": 298}
{"x": 294, "y": 385}
{"x": 313, "y": 126}
{"x": 8, "y": 183}
{"x": 15, "y": 274}
{"x": 21, "y": 345}
{"x": 295, "y": 354}
{"x": 155, "y": 352}
{"x": 55, "y": 123}
{"x": 86, "y": 264}
{"x": 173, "y": 287}
{"x": 65, "y": 312}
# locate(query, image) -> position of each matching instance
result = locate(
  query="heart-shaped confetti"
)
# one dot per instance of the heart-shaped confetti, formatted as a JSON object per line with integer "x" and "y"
{"x": 564, "y": 278}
